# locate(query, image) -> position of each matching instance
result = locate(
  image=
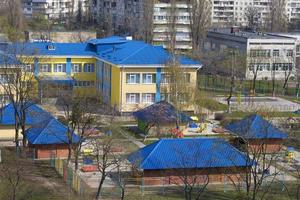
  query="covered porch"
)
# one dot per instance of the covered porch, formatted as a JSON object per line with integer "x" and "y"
{"x": 54, "y": 87}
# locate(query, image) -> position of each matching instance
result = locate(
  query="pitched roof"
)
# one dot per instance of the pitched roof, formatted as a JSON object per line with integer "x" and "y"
{"x": 60, "y": 49}
{"x": 114, "y": 49}
{"x": 162, "y": 112}
{"x": 49, "y": 132}
{"x": 188, "y": 153}
{"x": 255, "y": 127}
{"x": 34, "y": 114}
{"x": 140, "y": 53}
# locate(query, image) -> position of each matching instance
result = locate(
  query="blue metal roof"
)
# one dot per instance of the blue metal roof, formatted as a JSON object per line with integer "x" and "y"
{"x": 49, "y": 132}
{"x": 34, "y": 114}
{"x": 60, "y": 49}
{"x": 255, "y": 127}
{"x": 188, "y": 153}
{"x": 297, "y": 112}
{"x": 161, "y": 112}
{"x": 140, "y": 53}
{"x": 115, "y": 49}
{"x": 8, "y": 59}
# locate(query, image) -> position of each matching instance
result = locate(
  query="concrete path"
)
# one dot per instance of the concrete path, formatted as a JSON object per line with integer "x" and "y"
{"x": 132, "y": 139}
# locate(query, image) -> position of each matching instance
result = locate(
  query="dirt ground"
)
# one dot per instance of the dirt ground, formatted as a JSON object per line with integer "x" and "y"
{"x": 38, "y": 180}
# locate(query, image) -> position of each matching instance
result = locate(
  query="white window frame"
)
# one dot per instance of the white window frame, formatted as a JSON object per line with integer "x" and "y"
{"x": 132, "y": 98}
{"x": 148, "y": 78}
{"x": 133, "y": 78}
{"x": 59, "y": 67}
{"x": 87, "y": 68}
{"x": 76, "y": 68}
{"x": 29, "y": 68}
{"x": 45, "y": 68}
{"x": 148, "y": 97}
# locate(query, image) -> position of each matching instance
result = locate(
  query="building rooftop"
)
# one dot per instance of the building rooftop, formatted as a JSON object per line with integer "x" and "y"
{"x": 49, "y": 132}
{"x": 255, "y": 127}
{"x": 245, "y": 34}
{"x": 115, "y": 50}
{"x": 187, "y": 154}
{"x": 34, "y": 114}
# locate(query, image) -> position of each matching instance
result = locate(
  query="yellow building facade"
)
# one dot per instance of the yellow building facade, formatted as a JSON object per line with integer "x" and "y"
{"x": 125, "y": 74}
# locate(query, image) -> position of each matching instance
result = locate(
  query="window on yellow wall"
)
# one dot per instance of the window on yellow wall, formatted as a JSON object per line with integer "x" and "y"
{"x": 132, "y": 98}
{"x": 148, "y": 97}
{"x": 89, "y": 67}
{"x": 45, "y": 67}
{"x": 59, "y": 68}
{"x": 29, "y": 68}
{"x": 149, "y": 78}
{"x": 133, "y": 78}
{"x": 76, "y": 67}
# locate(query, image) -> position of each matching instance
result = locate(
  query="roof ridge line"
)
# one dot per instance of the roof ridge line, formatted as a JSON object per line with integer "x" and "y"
{"x": 145, "y": 45}
{"x": 46, "y": 124}
{"x": 156, "y": 146}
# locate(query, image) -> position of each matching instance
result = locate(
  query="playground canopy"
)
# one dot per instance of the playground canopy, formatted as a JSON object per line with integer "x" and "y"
{"x": 161, "y": 112}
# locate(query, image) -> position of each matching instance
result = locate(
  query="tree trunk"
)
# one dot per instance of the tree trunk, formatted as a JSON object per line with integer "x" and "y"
{"x": 76, "y": 160}
{"x": 100, "y": 186}
{"x": 24, "y": 141}
{"x": 122, "y": 193}
{"x": 69, "y": 153}
{"x": 230, "y": 95}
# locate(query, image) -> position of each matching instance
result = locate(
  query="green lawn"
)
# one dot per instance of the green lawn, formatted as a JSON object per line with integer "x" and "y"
{"x": 240, "y": 114}
{"x": 220, "y": 84}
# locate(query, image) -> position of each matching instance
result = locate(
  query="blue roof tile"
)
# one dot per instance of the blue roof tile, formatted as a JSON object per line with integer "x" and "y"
{"x": 34, "y": 114}
{"x": 188, "y": 153}
{"x": 49, "y": 132}
{"x": 115, "y": 49}
{"x": 255, "y": 127}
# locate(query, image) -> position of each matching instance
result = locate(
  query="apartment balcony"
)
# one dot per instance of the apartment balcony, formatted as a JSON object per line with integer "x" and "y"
{"x": 166, "y": 29}
{"x": 168, "y": 5}
{"x": 165, "y": 22}
{"x": 39, "y": 1}
{"x": 160, "y": 38}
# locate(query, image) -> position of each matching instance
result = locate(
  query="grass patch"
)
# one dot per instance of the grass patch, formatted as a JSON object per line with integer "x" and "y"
{"x": 240, "y": 114}
{"x": 213, "y": 105}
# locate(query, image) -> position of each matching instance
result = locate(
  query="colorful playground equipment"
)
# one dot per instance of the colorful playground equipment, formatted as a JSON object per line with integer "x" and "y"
{"x": 290, "y": 154}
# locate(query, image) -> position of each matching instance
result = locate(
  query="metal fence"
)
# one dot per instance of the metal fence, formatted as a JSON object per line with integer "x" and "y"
{"x": 70, "y": 177}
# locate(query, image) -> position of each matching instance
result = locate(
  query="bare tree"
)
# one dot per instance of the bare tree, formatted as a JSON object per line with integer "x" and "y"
{"x": 257, "y": 61}
{"x": 252, "y": 15}
{"x": 12, "y": 22}
{"x": 105, "y": 163}
{"x": 11, "y": 171}
{"x": 193, "y": 181}
{"x": 146, "y": 28}
{"x": 277, "y": 20}
{"x": 200, "y": 21}
{"x": 18, "y": 83}
{"x": 79, "y": 119}
{"x": 258, "y": 178}
{"x": 120, "y": 175}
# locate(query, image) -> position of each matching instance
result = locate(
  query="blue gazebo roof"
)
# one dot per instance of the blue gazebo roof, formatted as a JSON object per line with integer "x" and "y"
{"x": 49, "y": 132}
{"x": 162, "y": 112}
{"x": 188, "y": 153}
{"x": 255, "y": 127}
{"x": 34, "y": 114}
